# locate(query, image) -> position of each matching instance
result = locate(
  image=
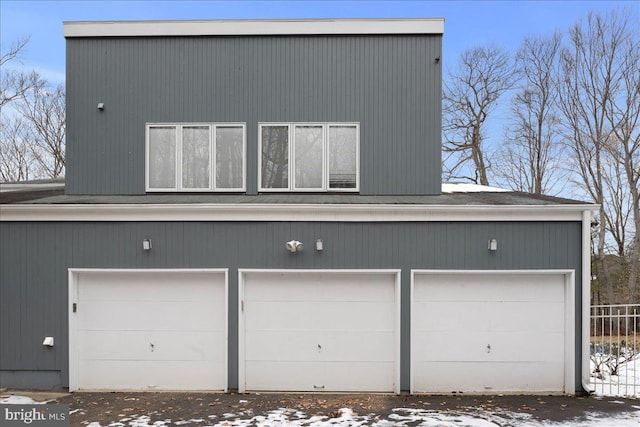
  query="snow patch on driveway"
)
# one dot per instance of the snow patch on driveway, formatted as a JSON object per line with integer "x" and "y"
{"x": 19, "y": 400}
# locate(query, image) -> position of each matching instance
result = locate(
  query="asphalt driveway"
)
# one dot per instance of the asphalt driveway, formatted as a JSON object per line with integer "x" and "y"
{"x": 271, "y": 409}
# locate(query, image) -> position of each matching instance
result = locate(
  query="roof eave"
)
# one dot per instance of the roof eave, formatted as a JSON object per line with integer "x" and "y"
{"x": 292, "y": 212}
{"x": 73, "y": 29}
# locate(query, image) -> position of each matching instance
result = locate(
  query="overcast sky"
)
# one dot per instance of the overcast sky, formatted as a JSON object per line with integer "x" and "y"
{"x": 467, "y": 23}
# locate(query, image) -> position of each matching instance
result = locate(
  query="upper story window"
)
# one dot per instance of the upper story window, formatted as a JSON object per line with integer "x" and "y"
{"x": 309, "y": 156}
{"x": 195, "y": 157}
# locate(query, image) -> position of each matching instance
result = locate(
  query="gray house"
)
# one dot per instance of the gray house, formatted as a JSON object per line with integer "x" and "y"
{"x": 257, "y": 205}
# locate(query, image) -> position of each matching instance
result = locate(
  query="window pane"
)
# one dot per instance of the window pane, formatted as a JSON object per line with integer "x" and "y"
{"x": 343, "y": 141}
{"x": 229, "y": 160}
{"x": 195, "y": 157}
{"x": 162, "y": 157}
{"x": 308, "y": 155}
{"x": 275, "y": 157}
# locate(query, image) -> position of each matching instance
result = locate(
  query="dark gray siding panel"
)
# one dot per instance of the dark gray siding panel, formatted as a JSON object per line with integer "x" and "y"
{"x": 31, "y": 297}
{"x": 35, "y": 257}
{"x": 35, "y": 380}
{"x": 390, "y": 84}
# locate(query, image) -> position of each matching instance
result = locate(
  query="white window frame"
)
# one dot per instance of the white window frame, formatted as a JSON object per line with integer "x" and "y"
{"x": 291, "y": 126}
{"x": 214, "y": 156}
{"x": 292, "y": 157}
{"x": 178, "y": 126}
{"x": 273, "y": 124}
{"x": 179, "y": 157}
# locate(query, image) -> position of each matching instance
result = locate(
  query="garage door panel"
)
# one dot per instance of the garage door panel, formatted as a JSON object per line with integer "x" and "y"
{"x": 150, "y": 315}
{"x": 526, "y": 316}
{"x": 319, "y": 315}
{"x": 473, "y": 288}
{"x": 320, "y": 346}
{"x": 333, "y": 330}
{"x": 306, "y": 376}
{"x": 143, "y": 375}
{"x": 485, "y": 331}
{"x": 505, "y": 347}
{"x": 434, "y": 316}
{"x": 136, "y": 345}
{"x": 121, "y": 313}
{"x": 148, "y": 286}
{"x": 302, "y": 287}
{"x": 482, "y": 316}
{"x": 276, "y": 375}
{"x": 446, "y": 377}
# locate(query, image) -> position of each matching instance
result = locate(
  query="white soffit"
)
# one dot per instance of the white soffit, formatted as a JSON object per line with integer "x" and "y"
{"x": 252, "y": 27}
{"x": 291, "y": 212}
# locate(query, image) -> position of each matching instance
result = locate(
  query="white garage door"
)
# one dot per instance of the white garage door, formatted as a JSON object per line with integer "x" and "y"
{"x": 319, "y": 331}
{"x": 491, "y": 332}
{"x": 148, "y": 330}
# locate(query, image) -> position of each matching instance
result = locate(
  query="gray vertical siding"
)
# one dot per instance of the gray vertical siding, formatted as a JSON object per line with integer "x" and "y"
{"x": 35, "y": 257}
{"x": 390, "y": 84}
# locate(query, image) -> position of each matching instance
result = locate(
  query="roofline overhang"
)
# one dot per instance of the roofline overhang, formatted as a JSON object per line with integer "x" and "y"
{"x": 252, "y": 27}
{"x": 292, "y": 212}
{"x": 19, "y": 186}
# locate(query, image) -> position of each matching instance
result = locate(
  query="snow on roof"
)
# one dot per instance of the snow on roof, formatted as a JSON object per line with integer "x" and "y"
{"x": 470, "y": 188}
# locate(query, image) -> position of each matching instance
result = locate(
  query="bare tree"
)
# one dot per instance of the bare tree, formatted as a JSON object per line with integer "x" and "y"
{"x": 470, "y": 95}
{"x": 45, "y": 111}
{"x": 622, "y": 110}
{"x": 530, "y": 159}
{"x": 617, "y": 205}
{"x": 592, "y": 81}
{"x": 32, "y": 120}
{"x": 14, "y": 85}
{"x": 17, "y": 162}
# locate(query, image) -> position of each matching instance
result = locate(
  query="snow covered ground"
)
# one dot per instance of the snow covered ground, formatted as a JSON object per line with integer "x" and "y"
{"x": 345, "y": 417}
{"x": 625, "y": 384}
{"x": 400, "y": 417}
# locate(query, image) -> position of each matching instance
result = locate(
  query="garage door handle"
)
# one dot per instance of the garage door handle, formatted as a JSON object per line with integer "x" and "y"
{"x": 318, "y": 386}
{"x": 488, "y": 348}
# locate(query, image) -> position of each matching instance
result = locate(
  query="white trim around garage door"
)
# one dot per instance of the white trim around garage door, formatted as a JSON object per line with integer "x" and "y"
{"x": 74, "y": 274}
{"x": 241, "y": 323}
{"x": 569, "y": 314}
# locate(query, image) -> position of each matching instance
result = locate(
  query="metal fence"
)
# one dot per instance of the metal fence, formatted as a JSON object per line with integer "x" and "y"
{"x": 615, "y": 350}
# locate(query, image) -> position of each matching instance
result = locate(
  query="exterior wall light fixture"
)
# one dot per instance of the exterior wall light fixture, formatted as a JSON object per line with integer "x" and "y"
{"x": 294, "y": 246}
{"x": 146, "y": 244}
{"x": 493, "y": 245}
{"x": 319, "y": 245}
{"x": 100, "y": 106}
